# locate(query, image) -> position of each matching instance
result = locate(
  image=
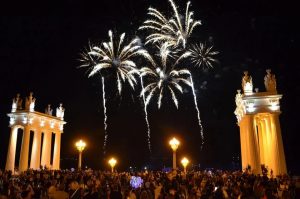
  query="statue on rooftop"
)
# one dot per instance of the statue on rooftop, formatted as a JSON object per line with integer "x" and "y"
{"x": 60, "y": 112}
{"x": 30, "y": 102}
{"x": 247, "y": 84}
{"x": 17, "y": 103}
{"x": 270, "y": 81}
{"x": 49, "y": 110}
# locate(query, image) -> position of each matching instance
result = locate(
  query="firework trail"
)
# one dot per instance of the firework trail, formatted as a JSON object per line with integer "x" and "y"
{"x": 146, "y": 117}
{"x": 105, "y": 116}
{"x": 197, "y": 109}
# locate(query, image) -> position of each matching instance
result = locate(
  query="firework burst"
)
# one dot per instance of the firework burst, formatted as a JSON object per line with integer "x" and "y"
{"x": 175, "y": 30}
{"x": 202, "y": 55}
{"x": 118, "y": 57}
{"x": 164, "y": 77}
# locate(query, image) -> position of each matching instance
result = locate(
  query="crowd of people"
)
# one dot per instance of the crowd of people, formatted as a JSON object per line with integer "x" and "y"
{"x": 89, "y": 184}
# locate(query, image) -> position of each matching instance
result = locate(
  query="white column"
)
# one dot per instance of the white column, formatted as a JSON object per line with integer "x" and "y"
{"x": 46, "y": 151}
{"x": 23, "y": 166}
{"x": 11, "y": 153}
{"x": 244, "y": 157}
{"x": 56, "y": 155}
{"x": 36, "y": 150}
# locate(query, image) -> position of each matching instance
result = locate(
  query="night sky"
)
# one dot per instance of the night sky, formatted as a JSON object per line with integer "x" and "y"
{"x": 40, "y": 52}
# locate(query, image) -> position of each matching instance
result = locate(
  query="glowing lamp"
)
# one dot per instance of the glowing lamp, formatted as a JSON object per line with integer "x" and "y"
{"x": 174, "y": 143}
{"x": 80, "y": 145}
{"x": 112, "y": 162}
{"x": 184, "y": 163}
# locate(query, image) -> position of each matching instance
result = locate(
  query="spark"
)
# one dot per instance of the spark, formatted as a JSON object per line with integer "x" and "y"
{"x": 198, "y": 112}
{"x": 146, "y": 117}
{"x": 105, "y": 116}
{"x": 173, "y": 30}
{"x": 203, "y": 55}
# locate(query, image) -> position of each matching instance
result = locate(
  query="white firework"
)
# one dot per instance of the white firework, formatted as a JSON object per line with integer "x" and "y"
{"x": 202, "y": 55}
{"x": 162, "y": 78}
{"x": 116, "y": 57}
{"x": 175, "y": 30}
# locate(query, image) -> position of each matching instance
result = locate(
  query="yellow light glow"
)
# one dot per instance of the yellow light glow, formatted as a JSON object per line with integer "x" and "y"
{"x": 185, "y": 162}
{"x": 80, "y": 145}
{"x": 112, "y": 162}
{"x": 174, "y": 144}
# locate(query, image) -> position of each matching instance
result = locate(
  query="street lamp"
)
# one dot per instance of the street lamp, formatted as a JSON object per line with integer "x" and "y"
{"x": 112, "y": 162}
{"x": 174, "y": 145}
{"x": 184, "y": 163}
{"x": 80, "y": 145}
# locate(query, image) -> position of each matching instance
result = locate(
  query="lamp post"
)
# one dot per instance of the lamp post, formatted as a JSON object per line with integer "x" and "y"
{"x": 112, "y": 162}
{"x": 80, "y": 145}
{"x": 174, "y": 145}
{"x": 184, "y": 163}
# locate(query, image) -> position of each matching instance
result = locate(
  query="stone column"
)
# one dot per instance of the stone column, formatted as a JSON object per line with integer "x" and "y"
{"x": 56, "y": 155}
{"x": 269, "y": 143}
{"x": 11, "y": 153}
{"x": 251, "y": 140}
{"x": 23, "y": 165}
{"x": 279, "y": 157}
{"x": 261, "y": 140}
{"x": 243, "y": 145}
{"x": 46, "y": 151}
{"x": 35, "y": 162}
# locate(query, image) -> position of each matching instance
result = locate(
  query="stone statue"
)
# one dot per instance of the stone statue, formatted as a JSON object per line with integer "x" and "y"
{"x": 270, "y": 81}
{"x": 49, "y": 110}
{"x": 60, "y": 112}
{"x": 17, "y": 103}
{"x": 30, "y": 102}
{"x": 247, "y": 84}
{"x": 240, "y": 107}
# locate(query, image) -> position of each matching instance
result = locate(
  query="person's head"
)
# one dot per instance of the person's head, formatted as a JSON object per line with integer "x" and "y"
{"x": 172, "y": 191}
{"x": 74, "y": 185}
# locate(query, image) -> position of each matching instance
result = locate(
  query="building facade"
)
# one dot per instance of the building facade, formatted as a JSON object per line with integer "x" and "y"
{"x": 42, "y": 126}
{"x": 260, "y": 133}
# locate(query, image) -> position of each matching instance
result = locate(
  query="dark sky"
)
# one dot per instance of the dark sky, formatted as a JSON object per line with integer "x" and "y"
{"x": 39, "y": 52}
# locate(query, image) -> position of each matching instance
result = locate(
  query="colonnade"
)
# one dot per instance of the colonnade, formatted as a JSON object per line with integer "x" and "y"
{"x": 260, "y": 133}
{"x": 261, "y": 143}
{"x": 40, "y": 151}
{"x": 43, "y": 126}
